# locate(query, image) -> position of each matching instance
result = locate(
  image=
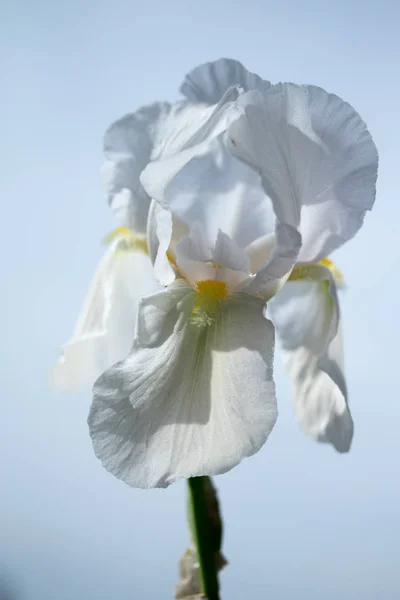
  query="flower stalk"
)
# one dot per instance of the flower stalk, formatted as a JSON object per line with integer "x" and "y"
{"x": 206, "y": 532}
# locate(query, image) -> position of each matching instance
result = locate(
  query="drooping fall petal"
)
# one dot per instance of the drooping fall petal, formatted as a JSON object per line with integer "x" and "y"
{"x": 189, "y": 400}
{"x": 306, "y": 315}
{"x": 104, "y": 331}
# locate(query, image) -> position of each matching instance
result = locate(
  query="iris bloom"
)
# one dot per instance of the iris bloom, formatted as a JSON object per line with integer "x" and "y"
{"x": 103, "y": 334}
{"x": 276, "y": 178}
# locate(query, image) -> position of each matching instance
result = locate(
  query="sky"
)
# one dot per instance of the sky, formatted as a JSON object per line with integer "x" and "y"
{"x": 300, "y": 520}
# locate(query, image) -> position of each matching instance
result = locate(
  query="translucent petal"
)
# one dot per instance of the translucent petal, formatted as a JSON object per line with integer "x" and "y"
{"x": 306, "y": 315}
{"x": 103, "y": 334}
{"x": 128, "y": 146}
{"x": 130, "y": 143}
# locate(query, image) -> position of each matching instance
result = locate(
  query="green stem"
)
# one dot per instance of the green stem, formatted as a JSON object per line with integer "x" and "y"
{"x": 204, "y": 542}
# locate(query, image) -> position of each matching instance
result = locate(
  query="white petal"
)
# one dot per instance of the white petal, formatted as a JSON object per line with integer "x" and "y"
{"x": 179, "y": 230}
{"x": 228, "y": 254}
{"x": 317, "y": 160}
{"x": 306, "y": 315}
{"x": 194, "y": 257}
{"x": 260, "y": 250}
{"x": 160, "y": 228}
{"x": 227, "y": 262}
{"x": 258, "y": 138}
{"x": 164, "y": 232}
{"x": 274, "y": 273}
{"x": 189, "y": 400}
{"x": 194, "y": 246}
{"x": 196, "y": 262}
{"x": 159, "y": 175}
{"x": 221, "y": 193}
{"x": 103, "y": 334}
{"x": 128, "y": 146}
{"x": 153, "y": 242}
{"x": 208, "y": 82}
{"x": 219, "y": 118}
{"x": 206, "y": 184}
{"x": 133, "y": 141}
{"x": 184, "y": 120}
{"x": 215, "y": 190}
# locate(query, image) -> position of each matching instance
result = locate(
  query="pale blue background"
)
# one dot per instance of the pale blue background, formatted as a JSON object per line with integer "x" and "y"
{"x": 301, "y": 521}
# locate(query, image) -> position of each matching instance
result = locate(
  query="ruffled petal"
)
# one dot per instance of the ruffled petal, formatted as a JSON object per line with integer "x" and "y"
{"x": 128, "y": 146}
{"x": 213, "y": 189}
{"x": 205, "y": 183}
{"x": 153, "y": 132}
{"x": 159, "y": 175}
{"x": 313, "y": 153}
{"x": 306, "y": 315}
{"x": 317, "y": 161}
{"x": 189, "y": 400}
{"x": 103, "y": 334}
{"x": 208, "y": 82}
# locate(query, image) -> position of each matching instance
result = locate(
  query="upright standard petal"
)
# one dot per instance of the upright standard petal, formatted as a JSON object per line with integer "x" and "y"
{"x": 306, "y": 315}
{"x": 158, "y": 176}
{"x": 152, "y": 132}
{"x": 208, "y": 82}
{"x": 103, "y": 334}
{"x": 227, "y": 198}
{"x": 189, "y": 400}
{"x": 317, "y": 161}
{"x": 212, "y": 188}
{"x": 128, "y": 146}
{"x": 206, "y": 183}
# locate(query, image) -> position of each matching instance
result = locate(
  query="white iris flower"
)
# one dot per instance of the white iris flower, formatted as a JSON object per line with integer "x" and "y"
{"x": 272, "y": 181}
{"x": 103, "y": 334}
